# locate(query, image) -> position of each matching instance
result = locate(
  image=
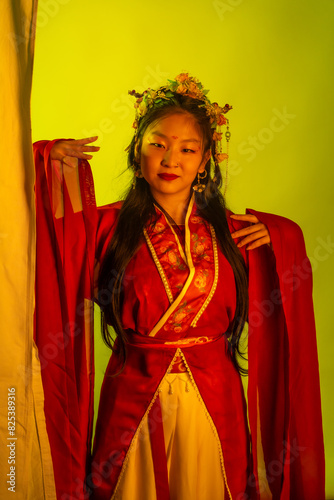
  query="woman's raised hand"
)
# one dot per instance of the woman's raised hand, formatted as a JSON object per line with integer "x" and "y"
{"x": 255, "y": 235}
{"x": 69, "y": 151}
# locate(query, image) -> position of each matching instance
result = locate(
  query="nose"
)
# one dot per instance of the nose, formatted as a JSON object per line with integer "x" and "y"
{"x": 170, "y": 158}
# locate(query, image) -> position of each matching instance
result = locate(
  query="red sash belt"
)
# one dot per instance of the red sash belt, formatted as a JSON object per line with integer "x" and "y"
{"x": 136, "y": 339}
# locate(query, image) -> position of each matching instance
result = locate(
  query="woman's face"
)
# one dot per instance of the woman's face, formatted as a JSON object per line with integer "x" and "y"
{"x": 171, "y": 155}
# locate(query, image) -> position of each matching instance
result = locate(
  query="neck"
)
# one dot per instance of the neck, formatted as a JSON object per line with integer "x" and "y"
{"x": 175, "y": 206}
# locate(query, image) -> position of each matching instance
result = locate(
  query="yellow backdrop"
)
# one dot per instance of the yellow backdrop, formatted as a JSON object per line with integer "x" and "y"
{"x": 271, "y": 60}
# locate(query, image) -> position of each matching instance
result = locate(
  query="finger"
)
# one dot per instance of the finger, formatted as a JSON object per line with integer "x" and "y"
{"x": 77, "y": 153}
{"x": 90, "y": 148}
{"x": 245, "y": 217}
{"x": 254, "y": 237}
{"x": 248, "y": 230}
{"x": 258, "y": 243}
{"x": 88, "y": 140}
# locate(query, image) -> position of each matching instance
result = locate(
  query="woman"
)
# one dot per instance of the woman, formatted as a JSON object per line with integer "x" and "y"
{"x": 172, "y": 282}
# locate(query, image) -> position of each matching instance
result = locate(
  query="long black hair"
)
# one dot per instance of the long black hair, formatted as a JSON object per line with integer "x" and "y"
{"x": 138, "y": 211}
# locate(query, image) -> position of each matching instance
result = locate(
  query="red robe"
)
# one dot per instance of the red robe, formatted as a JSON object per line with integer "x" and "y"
{"x": 283, "y": 389}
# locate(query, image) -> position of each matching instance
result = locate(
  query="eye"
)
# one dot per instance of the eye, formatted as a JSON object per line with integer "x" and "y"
{"x": 157, "y": 144}
{"x": 187, "y": 150}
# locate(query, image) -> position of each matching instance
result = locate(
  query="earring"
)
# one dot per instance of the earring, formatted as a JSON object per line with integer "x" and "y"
{"x": 228, "y": 137}
{"x": 199, "y": 187}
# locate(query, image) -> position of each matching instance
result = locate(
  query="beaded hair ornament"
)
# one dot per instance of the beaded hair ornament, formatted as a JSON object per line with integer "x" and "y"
{"x": 188, "y": 86}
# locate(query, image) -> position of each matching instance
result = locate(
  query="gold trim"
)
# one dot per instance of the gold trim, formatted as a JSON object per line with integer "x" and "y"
{"x": 127, "y": 456}
{"x": 215, "y": 432}
{"x": 160, "y": 268}
{"x": 179, "y": 298}
{"x": 215, "y": 281}
{"x": 187, "y": 234}
{"x": 190, "y": 340}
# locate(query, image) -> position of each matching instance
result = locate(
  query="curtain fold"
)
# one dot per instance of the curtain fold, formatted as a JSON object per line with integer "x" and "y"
{"x": 25, "y": 458}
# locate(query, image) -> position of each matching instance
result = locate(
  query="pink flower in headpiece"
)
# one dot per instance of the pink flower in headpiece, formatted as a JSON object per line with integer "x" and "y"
{"x": 194, "y": 90}
{"x": 221, "y": 120}
{"x": 217, "y": 136}
{"x": 181, "y": 89}
{"x": 221, "y": 157}
{"x": 182, "y": 77}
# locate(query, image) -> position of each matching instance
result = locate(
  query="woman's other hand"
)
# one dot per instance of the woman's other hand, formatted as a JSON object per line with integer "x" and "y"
{"x": 69, "y": 151}
{"x": 255, "y": 235}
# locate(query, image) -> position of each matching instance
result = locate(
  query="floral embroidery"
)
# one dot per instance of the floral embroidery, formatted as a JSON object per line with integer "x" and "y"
{"x": 189, "y": 282}
{"x": 175, "y": 322}
{"x": 200, "y": 280}
{"x": 196, "y": 220}
{"x": 200, "y": 245}
{"x": 180, "y": 317}
{"x": 199, "y": 248}
{"x": 159, "y": 227}
{"x": 173, "y": 259}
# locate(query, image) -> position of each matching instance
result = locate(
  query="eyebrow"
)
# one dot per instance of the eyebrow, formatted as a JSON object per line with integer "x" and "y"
{"x": 159, "y": 134}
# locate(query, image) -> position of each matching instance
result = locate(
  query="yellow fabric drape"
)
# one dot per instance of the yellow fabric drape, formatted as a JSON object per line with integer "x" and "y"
{"x": 25, "y": 458}
{"x": 192, "y": 449}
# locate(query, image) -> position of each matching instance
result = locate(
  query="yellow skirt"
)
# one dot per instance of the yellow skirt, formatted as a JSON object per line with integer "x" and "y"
{"x": 194, "y": 457}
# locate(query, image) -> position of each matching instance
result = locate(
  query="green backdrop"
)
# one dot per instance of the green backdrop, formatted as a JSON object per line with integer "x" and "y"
{"x": 271, "y": 60}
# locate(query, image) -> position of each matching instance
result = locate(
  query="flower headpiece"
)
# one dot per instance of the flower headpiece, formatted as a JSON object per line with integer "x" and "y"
{"x": 188, "y": 86}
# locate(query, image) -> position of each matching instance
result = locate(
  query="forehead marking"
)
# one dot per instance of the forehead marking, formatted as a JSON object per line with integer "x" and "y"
{"x": 174, "y": 136}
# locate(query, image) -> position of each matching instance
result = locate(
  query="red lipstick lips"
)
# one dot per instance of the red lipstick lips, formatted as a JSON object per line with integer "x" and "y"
{"x": 168, "y": 177}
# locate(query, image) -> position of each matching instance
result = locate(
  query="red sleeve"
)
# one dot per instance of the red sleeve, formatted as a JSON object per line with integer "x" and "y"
{"x": 284, "y": 390}
{"x": 107, "y": 220}
{"x": 66, "y": 234}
